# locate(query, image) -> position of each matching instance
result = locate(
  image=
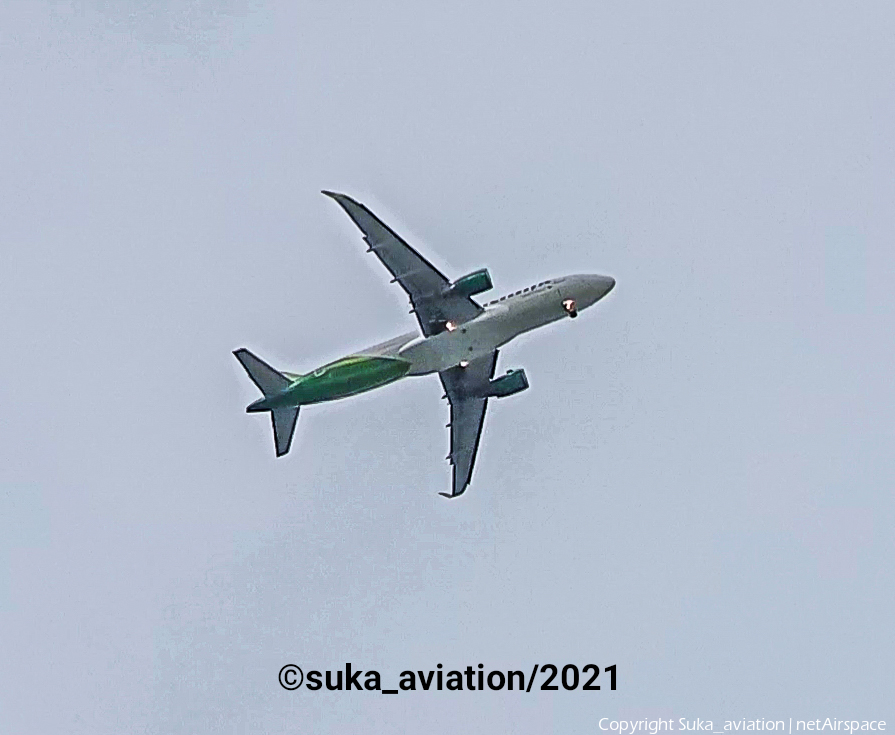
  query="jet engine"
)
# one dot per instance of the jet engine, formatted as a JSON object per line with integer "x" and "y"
{"x": 506, "y": 385}
{"x": 473, "y": 283}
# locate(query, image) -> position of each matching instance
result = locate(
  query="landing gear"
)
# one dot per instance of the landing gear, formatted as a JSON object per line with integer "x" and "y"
{"x": 569, "y": 306}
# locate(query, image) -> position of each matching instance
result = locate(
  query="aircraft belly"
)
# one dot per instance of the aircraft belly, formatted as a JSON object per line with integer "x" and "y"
{"x": 391, "y": 347}
{"x": 447, "y": 349}
{"x": 346, "y": 377}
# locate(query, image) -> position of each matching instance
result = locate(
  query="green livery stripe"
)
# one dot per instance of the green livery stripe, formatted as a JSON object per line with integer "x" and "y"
{"x": 346, "y": 377}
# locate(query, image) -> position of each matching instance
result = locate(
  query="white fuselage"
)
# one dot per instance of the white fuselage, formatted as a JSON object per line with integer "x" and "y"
{"x": 494, "y": 327}
{"x": 500, "y": 321}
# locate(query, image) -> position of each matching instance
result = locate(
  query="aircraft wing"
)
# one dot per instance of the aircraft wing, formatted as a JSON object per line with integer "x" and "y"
{"x": 465, "y": 388}
{"x": 426, "y": 286}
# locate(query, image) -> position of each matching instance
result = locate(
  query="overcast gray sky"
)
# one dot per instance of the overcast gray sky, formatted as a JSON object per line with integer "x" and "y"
{"x": 698, "y": 487}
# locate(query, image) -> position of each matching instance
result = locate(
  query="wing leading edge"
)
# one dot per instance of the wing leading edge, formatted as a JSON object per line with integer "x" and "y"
{"x": 434, "y": 303}
{"x": 466, "y": 390}
{"x": 429, "y": 290}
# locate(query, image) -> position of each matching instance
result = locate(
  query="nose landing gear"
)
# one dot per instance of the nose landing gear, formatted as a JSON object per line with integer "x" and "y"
{"x": 569, "y": 306}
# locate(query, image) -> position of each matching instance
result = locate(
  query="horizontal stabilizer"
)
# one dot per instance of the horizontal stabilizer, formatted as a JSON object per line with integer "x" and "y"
{"x": 283, "y": 420}
{"x": 269, "y": 381}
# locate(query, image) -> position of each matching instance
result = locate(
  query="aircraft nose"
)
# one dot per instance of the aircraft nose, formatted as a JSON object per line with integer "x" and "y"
{"x": 605, "y": 283}
{"x": 595, "y": 288}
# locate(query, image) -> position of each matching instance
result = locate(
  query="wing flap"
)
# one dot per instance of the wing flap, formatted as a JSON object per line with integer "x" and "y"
{"x": 428, "y": 288}
{"x": 465, "y": 389}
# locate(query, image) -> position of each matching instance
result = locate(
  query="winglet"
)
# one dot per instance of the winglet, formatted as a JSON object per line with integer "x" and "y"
{"x": 451, "y": 496}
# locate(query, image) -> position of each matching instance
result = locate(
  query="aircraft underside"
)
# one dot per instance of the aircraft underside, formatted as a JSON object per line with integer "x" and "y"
{"x": 460, "y": 341}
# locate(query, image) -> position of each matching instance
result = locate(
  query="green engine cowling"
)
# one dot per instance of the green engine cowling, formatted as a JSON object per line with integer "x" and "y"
{"x": 472, "y": 283}
{"x": 506, "y": 385}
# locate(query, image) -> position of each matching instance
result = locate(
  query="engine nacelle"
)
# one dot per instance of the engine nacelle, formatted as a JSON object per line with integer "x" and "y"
{"x": 473, "y": 283}
{"x": 506, "y": 385}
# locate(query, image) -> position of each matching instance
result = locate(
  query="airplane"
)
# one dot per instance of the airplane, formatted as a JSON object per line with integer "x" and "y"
{"x": 460, "y": 341}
